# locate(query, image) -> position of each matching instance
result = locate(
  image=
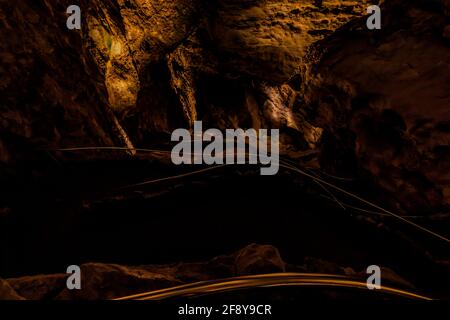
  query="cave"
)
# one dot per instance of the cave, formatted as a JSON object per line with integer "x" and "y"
{"x": 87, "y": 117}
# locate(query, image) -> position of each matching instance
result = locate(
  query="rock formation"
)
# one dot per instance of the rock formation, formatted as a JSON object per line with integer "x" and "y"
{"x": 108, "y": 281}
{"x": 369, "y": 107}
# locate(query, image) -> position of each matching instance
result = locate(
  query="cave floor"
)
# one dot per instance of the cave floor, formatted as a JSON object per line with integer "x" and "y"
{"x": 81, "y": 212}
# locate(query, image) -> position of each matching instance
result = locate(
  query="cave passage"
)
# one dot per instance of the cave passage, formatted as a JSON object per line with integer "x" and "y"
{"x": 188, "y": 220}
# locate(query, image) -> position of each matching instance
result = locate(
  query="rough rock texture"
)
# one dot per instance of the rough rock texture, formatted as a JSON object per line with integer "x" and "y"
{"x": 375, "y": 104}
{"x": 63, "y": 88}
{"x": 38, "y": 287}
{"x": 52, "y": 92}
{"x": 108, "y": 281}
{"x": 268, "y": 39}
{"x": 139, "y": 69}
{"x": 383, "y": 99}
{"x": 257, "y": 258}
{"x": 145, "y": 65}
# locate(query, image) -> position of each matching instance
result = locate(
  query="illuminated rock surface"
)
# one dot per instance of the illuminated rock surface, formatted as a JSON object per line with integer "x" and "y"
{"x": 367, "y": 109}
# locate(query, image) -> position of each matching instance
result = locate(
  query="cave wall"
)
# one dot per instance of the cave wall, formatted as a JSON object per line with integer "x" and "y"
{"x": 373, "y": 103}
{"x": 383, "y": 99}
{"x": 146, "y": 59}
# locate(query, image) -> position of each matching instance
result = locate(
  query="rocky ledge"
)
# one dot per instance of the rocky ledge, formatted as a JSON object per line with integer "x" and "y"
{"x": 109, "y": 281}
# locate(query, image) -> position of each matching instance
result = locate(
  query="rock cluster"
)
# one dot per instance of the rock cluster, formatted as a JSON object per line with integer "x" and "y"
{"x": 371, "y": 101}
{"x": 109, "y": 281}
